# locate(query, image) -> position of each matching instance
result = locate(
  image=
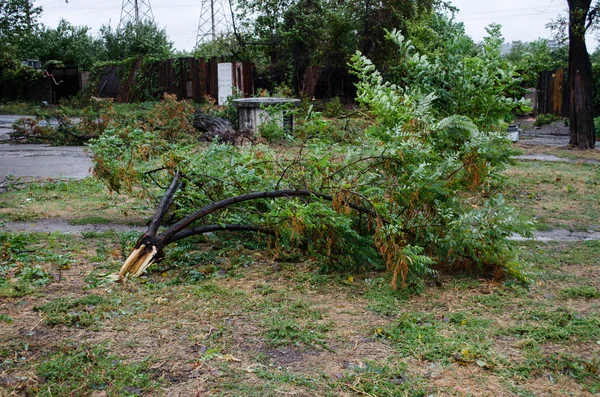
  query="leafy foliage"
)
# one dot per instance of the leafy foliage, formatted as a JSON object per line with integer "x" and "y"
{"x": 543, "y": 119}
{"x": 18, "y": 18}
{"x": 537, "y": 56}
{"x": 96, "y": 118}
{"x": 17, "y": 81}
{"x": 72, "y": 45}
{"x": 416, "y": 194}
{"x": 135, "y": 39}
{"x": 303, "y": 42}
{"x": 480, "y": 86}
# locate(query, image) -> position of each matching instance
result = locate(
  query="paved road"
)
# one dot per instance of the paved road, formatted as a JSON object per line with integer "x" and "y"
{"x": 6, "y": 122}
{"x": 43, "y": 161}
{"x": 40, "y": 161}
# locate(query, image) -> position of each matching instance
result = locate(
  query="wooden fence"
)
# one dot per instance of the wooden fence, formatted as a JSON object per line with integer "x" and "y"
{"x": 187, "y": 78}
{"x": 553, "y": 93}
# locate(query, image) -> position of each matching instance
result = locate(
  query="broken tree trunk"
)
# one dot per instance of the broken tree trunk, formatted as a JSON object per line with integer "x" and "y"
{"x": 149, "y": 247}
{"x": 213, "y": 125}
{"x": 221, "y": 129}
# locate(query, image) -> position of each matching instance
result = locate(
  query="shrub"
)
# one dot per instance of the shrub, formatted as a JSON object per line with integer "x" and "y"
{"x": 544, "y": 119}
{"x": 18, "y": 82}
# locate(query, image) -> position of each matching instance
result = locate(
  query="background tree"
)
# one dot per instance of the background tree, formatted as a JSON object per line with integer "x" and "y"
{"x": 135, "y": 39}
{"x": 304, "y": 41}
{"x": 582, "y": 18}
{"x": 72, "y": 45}
{"x": 537, "y": 56}
{"x": 18, "y": 19}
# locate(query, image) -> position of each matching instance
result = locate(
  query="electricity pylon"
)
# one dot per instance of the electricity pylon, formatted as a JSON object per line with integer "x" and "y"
{"x": 215, "y": 19}
{"x": 135, "y": 11}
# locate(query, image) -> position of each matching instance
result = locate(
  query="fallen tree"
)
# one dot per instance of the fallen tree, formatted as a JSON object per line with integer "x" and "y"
{"x": 416, "y": 195}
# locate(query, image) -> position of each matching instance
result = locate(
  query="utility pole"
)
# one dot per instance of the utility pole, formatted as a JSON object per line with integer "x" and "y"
{"x": 135, "y": 11}
{"x": 215, "y": 18}
{"x": 28, "y": 15}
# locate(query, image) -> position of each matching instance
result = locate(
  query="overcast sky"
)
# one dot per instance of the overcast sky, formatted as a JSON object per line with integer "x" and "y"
{"x": 520, "y": 20}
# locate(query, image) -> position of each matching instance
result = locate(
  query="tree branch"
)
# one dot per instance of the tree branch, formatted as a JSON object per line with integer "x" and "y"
{"x": 219, "y": 228}
{"x": 168, "y": 234}
{"x": 165, "y": 204}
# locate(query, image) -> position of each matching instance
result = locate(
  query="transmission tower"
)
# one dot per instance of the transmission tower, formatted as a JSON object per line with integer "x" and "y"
{"x": 215, "y": 19}
{"x": 135, "y": 11}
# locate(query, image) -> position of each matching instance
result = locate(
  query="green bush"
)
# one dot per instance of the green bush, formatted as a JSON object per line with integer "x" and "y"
{"x": 19, "y": 82}
{"x": 544, "y": 119}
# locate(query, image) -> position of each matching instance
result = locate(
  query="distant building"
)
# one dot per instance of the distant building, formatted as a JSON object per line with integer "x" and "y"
{"x": 506, "y": 47}
{"x": 553, "y": 44}
{"x": 34, "y": 63}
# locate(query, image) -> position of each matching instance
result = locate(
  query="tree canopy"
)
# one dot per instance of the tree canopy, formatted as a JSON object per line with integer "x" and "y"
{"x": 18, "y": 19}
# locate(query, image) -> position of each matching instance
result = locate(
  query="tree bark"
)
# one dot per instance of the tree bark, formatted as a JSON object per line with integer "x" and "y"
{"x": 581, "y": 121}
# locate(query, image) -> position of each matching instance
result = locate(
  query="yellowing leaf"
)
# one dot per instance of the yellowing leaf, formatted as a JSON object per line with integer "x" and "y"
{"x": 230, "y": 358}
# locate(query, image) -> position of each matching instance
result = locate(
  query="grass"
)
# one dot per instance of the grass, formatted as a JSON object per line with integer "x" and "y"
{"x": 220, "y": 316}
{"x": 79, "y": 202}
{"x": 32, "y": 108}
{"x": 556, "y": 195}
{"x": 81, "y": 312}
{"x": 584, "y": 292}
{"x": 253, "y": 330}
{"x": 96, "y": 369}
{"x": 20, "y": 108}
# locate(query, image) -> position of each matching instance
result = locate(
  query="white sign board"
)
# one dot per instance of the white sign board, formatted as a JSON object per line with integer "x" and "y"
{"x": 225, "y": 82}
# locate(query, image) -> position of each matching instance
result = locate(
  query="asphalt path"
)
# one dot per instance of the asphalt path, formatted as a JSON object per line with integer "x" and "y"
{"x": 39, "y": 161}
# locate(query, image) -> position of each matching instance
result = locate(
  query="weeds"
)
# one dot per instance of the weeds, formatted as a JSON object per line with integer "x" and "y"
{"x": 19, "y": 276}
{"x": 585, "y": 292}
{"x": 291, "y": 332}
{"x": 6, "y": 318}
{"x": 543, "y": 119}
{"x": 83, "y": 312}
{"x": 78, "y": 369}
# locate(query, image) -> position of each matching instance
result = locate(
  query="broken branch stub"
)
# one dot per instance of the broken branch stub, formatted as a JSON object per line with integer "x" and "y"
{"x": 138, "y": 261}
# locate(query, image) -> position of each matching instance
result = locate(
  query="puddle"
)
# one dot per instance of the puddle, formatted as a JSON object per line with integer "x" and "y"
{"x": 551, "y": 157}
{"x": 562, "y": 235}
{"x": 62, "y": 226}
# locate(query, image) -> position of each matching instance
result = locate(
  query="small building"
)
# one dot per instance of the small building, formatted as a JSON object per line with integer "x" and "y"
{"x": 34, "y": 63}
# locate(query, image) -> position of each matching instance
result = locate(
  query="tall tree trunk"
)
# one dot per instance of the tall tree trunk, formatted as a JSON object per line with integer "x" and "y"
{"x": 580, "y": 78}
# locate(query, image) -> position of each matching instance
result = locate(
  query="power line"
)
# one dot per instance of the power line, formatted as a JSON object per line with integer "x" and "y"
{"x": 510, "y": 10}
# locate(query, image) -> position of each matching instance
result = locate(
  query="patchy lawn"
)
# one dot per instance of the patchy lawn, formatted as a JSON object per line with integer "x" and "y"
{"x": 224, "y": 316}
{"x": 85, "y": 201}
{"x": 233, "y": 320}
{"x": 556, "y": 195}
